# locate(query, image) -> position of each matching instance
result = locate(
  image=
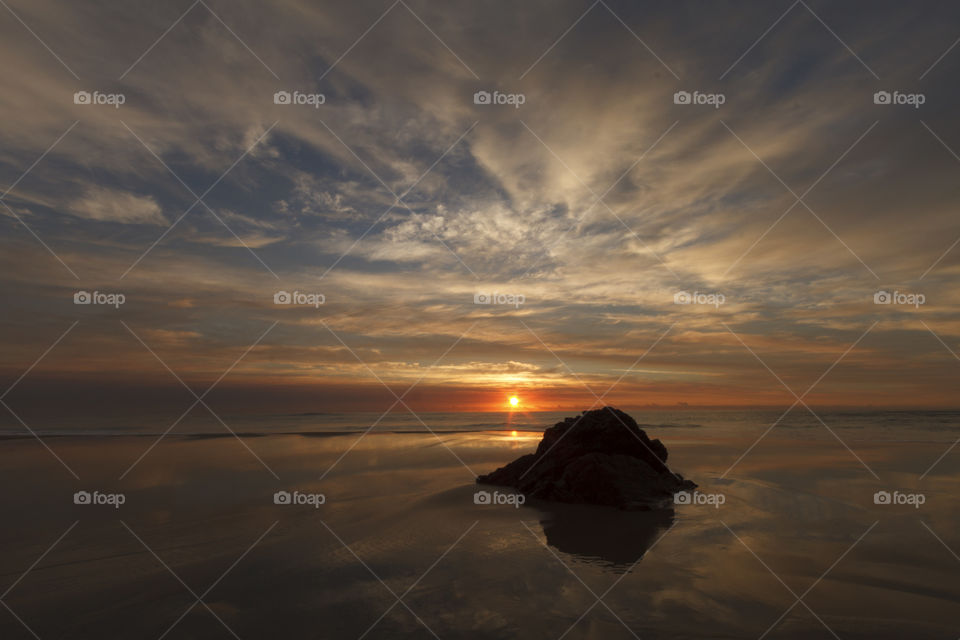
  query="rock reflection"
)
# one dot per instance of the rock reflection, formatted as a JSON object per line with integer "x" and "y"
{"x": 610, "y": 538}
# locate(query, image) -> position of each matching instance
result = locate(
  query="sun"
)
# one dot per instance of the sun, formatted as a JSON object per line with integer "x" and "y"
{"x": 514, "y": 401}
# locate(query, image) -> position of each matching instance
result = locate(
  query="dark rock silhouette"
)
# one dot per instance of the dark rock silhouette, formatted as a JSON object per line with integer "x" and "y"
{"x": 600, "y": 457}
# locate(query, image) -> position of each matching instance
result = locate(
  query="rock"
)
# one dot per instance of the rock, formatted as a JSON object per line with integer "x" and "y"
{"x": 600, "y": 457}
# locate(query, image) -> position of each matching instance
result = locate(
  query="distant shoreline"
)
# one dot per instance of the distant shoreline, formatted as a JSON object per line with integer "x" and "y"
{"x": 260, "y": 434}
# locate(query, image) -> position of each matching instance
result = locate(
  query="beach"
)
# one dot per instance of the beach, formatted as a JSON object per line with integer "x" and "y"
{"x": 321, "y": 320}
{"x": 399, "y": 546}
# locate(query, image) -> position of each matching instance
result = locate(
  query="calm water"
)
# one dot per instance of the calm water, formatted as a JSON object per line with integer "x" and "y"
{"x": 895, "y": 425}
{"x": 400, "y": 519}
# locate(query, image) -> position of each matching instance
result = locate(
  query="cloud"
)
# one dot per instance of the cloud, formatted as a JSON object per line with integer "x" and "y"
{"x": 110, "y": 205}
{"x": 597, "y": 200}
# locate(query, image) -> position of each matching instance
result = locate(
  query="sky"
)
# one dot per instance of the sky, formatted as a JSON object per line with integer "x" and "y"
{"x": 587, "y": 236}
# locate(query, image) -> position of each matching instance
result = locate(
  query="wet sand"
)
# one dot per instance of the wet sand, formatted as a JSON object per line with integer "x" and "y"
{"x": 400, "y": 521}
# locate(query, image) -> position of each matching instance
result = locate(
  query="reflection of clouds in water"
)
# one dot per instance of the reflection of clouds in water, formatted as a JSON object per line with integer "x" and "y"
{"x": 400, "y": 502}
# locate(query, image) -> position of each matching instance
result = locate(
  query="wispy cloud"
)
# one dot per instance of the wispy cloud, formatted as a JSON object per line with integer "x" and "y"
{"x": 108, "y": 205}
{"x": 598, "y": 199}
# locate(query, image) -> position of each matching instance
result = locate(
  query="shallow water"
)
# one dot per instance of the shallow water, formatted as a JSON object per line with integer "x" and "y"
{"x": 735, "y": 423}
{"x": 400, "y": 521}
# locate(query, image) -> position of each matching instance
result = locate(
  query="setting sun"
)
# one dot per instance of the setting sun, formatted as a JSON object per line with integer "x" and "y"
{"x": 514, "y": 401}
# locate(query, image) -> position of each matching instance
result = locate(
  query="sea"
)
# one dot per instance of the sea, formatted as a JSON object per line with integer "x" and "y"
{"x": 886, "y": 425}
